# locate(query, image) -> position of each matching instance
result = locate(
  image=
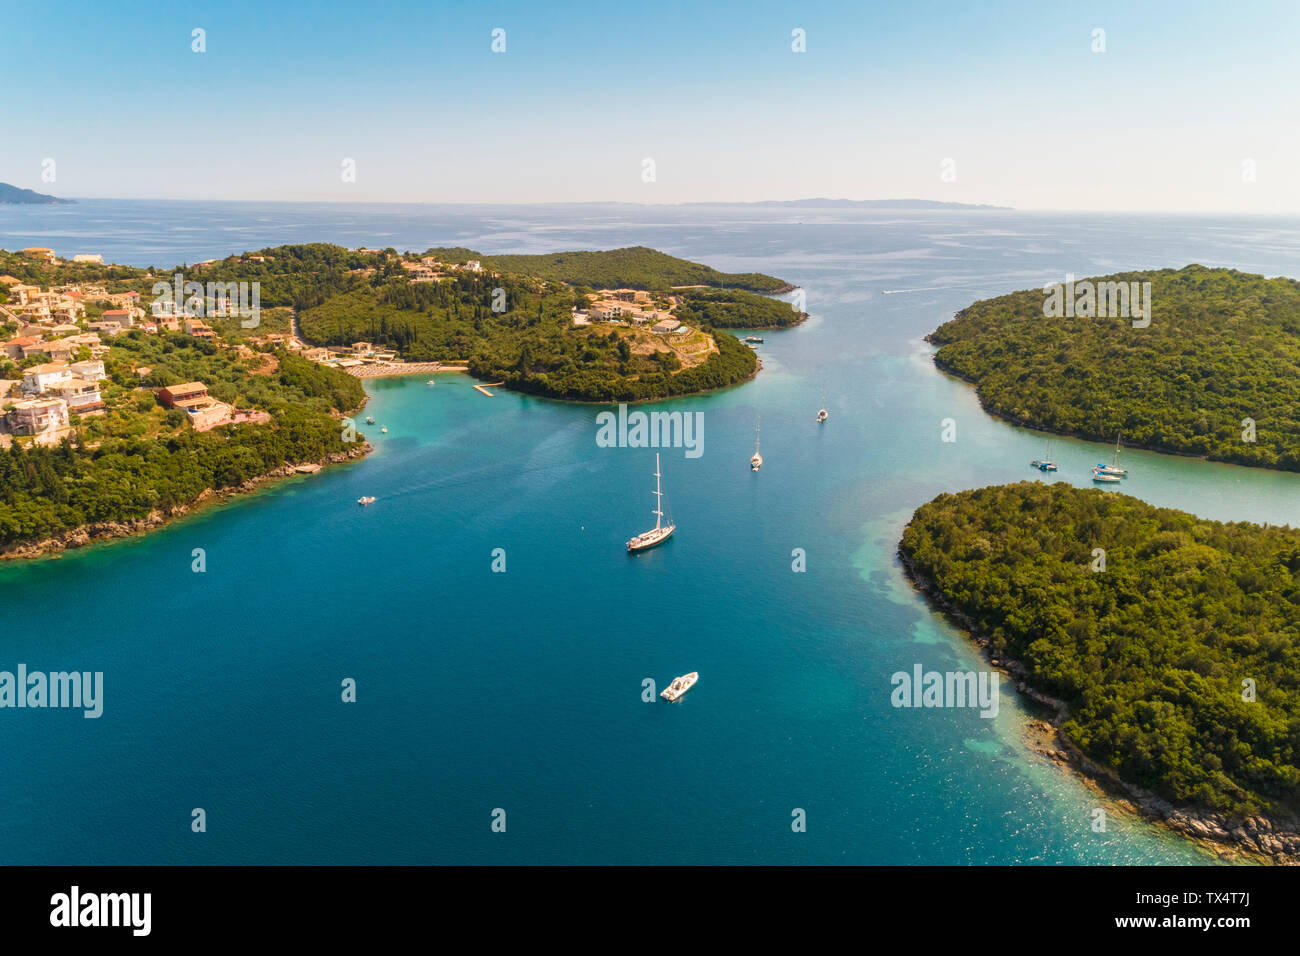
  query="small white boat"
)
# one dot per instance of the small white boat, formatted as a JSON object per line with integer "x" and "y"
{"x": 756, "y": 460}
{"x": 430, "y": 382}
{"x": 384, "y": 430}
{"x": 660, "y": 532}
{"x": 821, "y": 412}
{"x": 679, "y": 686}
{"x": 370, "y": 419}
{"x": 366, "y": 500}
{"x": 1104, "y": 478}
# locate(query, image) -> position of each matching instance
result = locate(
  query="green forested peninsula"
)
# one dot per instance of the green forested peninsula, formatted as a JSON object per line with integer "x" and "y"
{"x": 635, "y": 267}
{"x": 517, "y": 327}
{"x": 1149, "y": 654}
{"x": 735, "y": 309}
{"x": 1222, "y": 346}
{"x": 532, "y": 346}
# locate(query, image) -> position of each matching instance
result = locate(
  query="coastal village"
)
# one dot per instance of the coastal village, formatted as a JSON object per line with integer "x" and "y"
{"x": 56, "y": 340}
{"x": 57, "y": 349}
{"x": 631, "y": 307}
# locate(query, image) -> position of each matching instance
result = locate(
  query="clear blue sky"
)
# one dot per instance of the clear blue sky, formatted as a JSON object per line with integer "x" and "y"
{"x": 1166, "y": 119}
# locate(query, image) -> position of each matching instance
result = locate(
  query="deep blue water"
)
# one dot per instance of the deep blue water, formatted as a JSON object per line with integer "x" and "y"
{"x": 522, "y": 690}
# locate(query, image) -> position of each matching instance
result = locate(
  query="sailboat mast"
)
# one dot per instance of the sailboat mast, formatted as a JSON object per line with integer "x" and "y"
{"x": 659, "y": 497}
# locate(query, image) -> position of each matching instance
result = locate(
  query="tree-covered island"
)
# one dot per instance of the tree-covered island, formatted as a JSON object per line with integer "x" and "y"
{"x": 1174, "y": 656}
{"x": 1215, "y": 373}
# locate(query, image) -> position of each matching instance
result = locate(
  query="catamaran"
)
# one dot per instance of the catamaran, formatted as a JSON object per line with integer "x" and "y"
{"x": 679, "y": 686}
{"x": 1113, "y": 469}
{"x": 756, "y": 460}
{"x": 660, "y": 532}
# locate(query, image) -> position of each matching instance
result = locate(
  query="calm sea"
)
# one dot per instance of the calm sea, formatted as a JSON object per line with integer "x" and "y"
{"x": 522, "y": 691}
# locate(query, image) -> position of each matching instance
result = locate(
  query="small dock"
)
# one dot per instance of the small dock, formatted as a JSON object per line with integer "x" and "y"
{"x": 484, "y": 388}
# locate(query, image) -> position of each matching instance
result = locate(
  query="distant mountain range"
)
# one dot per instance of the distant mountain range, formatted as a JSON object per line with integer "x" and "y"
{"x": 857, "y": 204}
{"x": 27, "y": 197}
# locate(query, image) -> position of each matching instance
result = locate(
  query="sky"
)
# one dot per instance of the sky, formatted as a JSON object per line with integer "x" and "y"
{"x": 1187, "y": 106}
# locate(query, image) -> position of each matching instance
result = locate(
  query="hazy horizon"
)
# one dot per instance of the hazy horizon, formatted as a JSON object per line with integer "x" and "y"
{"x": 1165, "y": 108}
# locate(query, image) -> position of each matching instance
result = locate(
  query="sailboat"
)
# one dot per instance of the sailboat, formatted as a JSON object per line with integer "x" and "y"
{"x": 1045, "y": 463}
{"x": 821, "y": 412}
{"x": 1113, "y": 469}
{"x": 756, "y": 460}
{"x": 660, "y": 532}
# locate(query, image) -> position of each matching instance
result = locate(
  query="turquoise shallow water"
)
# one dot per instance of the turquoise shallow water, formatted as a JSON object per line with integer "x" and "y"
{"x": 522, "y": 690}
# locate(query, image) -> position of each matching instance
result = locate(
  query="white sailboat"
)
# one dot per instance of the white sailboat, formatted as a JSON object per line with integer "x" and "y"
{"x": 756, "y": 460}
{"x": 660, "y": 532}
{"x": 1113, "y": 469}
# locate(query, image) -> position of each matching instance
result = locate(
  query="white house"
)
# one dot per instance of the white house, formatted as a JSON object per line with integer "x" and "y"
{"x": 44, "y": 417}
{"x": 81, "y": 396}
{"x": 91, "y": 371}
{"x": 41, "y": 378}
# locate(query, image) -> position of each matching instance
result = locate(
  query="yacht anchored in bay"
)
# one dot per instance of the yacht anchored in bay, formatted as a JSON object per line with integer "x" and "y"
{"x": 1113, "y": 469}
{"x": 660, "y": 532}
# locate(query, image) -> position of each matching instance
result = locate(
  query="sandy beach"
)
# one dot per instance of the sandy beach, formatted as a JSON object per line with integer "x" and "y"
{"x": 384, "y": 369}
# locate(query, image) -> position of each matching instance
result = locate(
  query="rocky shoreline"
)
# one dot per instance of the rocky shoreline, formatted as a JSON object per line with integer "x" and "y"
{"x": 89, "y": 534}
{"x": 1257, "y": 837}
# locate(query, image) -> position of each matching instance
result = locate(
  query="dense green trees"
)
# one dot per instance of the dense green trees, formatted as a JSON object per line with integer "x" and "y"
{"x": 139, "y": 457}
{"x": 1222, "y": 346}
{"x": 635, "y": 267}
{"x": 1150, "y": 654}
{"x": 45, "y": 491}
{"x": 600, "y": 375}
{"x": 532, "y": 344}
{"x": 735, "y": 309}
